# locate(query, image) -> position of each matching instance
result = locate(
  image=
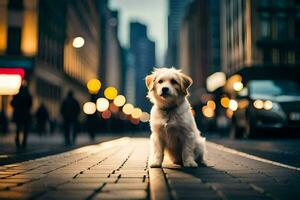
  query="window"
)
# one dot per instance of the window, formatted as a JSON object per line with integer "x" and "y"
{"x": 282, "y": 26}
{"x": 14, "y": 41}
{"x": 274, "y": 87}
{"x": 265, "y": 24}
{"x": 15, "y": 4}
{"x": 283, "y": 57}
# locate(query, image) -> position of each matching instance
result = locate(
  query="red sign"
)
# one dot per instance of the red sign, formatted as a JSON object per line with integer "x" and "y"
{"x": 19, "y": 71}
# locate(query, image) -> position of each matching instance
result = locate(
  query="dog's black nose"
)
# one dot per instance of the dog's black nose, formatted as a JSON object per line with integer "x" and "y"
{"x": 165, "y": 90}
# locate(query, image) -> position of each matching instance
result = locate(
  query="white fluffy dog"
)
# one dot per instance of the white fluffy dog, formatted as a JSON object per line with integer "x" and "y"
{"x": 172, "y": 123}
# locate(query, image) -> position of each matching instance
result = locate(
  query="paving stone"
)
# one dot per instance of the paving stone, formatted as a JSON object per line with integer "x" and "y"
{"x": 80, "y": 186}
{"x": 7, "y": 185}
{"x": 125, "y": 186}
{"x": 92, "y": 175}
{"x": 66, "y": 194}
{"x": 130, "y": 180}
{"x": 120, "y": 194}
{"x": 6, "y": 195}
{"x": 208, "y": 194}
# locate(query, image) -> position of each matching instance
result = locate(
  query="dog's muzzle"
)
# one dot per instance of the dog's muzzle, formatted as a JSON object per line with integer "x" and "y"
{"x": 164, "y": 92}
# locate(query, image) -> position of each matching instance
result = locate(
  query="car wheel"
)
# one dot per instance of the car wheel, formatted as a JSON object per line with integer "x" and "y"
{"x": 235, "y": 131}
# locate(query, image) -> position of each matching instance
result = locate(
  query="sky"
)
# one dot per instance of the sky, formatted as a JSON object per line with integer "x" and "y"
{"x": 153, "y": 13}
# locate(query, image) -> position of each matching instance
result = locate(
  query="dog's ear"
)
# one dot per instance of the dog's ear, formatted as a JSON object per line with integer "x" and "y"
{"x": 149, "y": 81}
{"x": 186, "y": 82}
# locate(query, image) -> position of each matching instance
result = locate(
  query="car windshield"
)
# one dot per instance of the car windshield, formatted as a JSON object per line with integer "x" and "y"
{"x": 274, "y": 87}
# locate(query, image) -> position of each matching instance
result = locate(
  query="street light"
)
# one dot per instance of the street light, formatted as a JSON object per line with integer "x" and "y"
{"x": 110, "y": 93}
{"x": 102, "y": 104}
{"x": 78, "y": 42}
{"x": 233, "y": 105}
{"x": 93, "y": 86}
{"x": 145, "y": 117}
{"x": 136, "y": 113}
{"x": 128, "y": 108}
{"x": 119, "y": 100}
{"x": 89, "y": 108}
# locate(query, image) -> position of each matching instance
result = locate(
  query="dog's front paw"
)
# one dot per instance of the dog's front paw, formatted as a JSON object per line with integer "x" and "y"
{"x": 155, "y": 165}
{"x": 190, "y": 163}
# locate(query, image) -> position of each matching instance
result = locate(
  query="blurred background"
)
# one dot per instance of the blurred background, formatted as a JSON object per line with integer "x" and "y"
{"x": 84, "y": 63}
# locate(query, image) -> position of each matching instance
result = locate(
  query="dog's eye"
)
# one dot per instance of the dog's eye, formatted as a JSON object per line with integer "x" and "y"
{"x": 160, "y": 81}
{"x": 173, "y": 82}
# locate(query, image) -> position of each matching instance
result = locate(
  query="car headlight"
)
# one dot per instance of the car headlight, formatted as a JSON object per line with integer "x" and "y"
{"x": 258, "y": 104}
{"x": 266, "y": 105}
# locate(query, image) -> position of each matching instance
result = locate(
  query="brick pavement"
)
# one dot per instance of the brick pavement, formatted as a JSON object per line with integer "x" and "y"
{"x": 119, "y": 170}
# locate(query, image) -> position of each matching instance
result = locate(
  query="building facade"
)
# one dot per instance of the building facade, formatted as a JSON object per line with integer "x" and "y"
{"x": 199, "y": 49}
{"x": 142, "y": 50}
{"x": 111, "y": 71}
{"x": 37, "y": 36}
{"x": 177, "y": 9}
{"x": 259, "y": 32}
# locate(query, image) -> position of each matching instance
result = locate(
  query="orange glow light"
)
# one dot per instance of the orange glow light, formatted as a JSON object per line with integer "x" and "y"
{"x": 110, "y": 93}
{"x": 29, "y": 41}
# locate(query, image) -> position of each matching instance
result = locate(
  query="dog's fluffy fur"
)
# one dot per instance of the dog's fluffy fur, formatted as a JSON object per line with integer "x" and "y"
{"x": 172, "y": 124}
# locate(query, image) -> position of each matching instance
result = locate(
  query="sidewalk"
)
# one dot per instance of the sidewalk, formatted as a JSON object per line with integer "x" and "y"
{"x": 42, "y": 146}
{"x": 118, "y": 170}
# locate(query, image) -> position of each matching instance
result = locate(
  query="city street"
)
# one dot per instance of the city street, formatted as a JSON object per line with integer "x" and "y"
{"x": 118, "y": 169}
{"x": 283, "y": 150}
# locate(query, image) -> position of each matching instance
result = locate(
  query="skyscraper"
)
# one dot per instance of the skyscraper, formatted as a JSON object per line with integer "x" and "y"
{"x": 143, "y": 51}
{"x": 176, "y": 12}
{"x": 200, "y": 42}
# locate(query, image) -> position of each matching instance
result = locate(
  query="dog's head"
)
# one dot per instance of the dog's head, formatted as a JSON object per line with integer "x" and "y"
{"x": 167, "y": 86}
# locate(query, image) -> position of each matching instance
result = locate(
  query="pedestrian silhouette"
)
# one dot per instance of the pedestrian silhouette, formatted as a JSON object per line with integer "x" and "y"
{"x": 70, "y": 111}
{"x": 21, "y": 104}
{"x": 42, "y": 117}
{"x": 3, "y": 122}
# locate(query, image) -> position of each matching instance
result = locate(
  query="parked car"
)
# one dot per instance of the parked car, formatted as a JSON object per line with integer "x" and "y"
{"x": 266, "y": 104}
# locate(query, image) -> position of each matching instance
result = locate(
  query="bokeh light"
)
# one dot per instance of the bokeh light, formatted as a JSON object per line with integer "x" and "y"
{"x": 113, "y": 108}
{"x": 106, "y": 114}
{"x": 136, "y": 113}
{"x": 225, "y": 102}
{"x": 110, "y": 93}
{"x": 208, "y": 112}
{"x": 258, "y": 104}
{"x": 134, "y": 121}
{"x": 145, "y": 117}
{"x": 78, "y": 42}
{"x": 120, "y": 100}
{"x": 268, "y": 105}
{"x": 211, "y": 104}
{"x": 89, "y": 108}
{"x": 93, "y": 86}
{"x": 102, "y": 104}
{"x": 229, "y": 113}
{"x": 128, "y": 108}
{"x": 233, "y": 105}
{"x": 238, "y": 86}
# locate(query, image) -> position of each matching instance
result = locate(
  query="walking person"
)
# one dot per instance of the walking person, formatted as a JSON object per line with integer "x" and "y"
{"x": 42, "y": 118}
{"x": 22, "y": 103}
{"x": 70, "y": 111}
